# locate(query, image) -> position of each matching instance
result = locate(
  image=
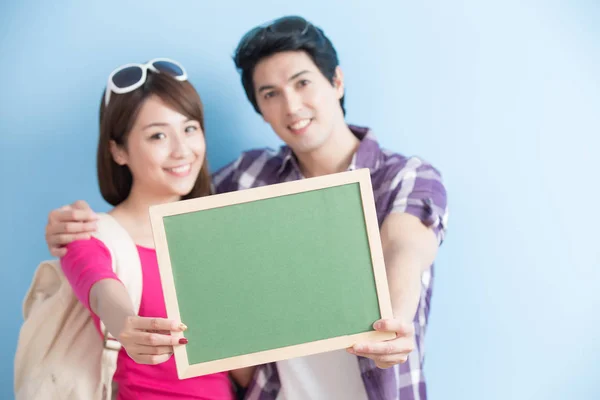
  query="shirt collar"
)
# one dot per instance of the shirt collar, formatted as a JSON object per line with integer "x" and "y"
{"x": 368, "y": 155}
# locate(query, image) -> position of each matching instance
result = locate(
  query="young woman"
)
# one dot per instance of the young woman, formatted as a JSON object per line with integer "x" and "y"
{"x": 151, "y": 150}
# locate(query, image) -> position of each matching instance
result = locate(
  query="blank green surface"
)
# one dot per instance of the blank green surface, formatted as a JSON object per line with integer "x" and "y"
{"x": 273, "y": 273}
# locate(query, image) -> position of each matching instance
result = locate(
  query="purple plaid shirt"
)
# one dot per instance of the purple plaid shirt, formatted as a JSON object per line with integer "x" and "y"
{"x": 400, "y": 184}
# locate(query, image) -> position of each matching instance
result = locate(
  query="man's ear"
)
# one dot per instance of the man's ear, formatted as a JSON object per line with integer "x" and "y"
{"x": 338, "y": 82}
{"x": 118, "y": 153}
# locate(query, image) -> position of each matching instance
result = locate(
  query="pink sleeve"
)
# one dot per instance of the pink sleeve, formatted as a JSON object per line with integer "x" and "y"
{"x": 86, "y": 262}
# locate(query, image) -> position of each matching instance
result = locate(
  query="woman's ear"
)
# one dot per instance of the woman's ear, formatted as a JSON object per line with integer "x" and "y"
{"x": 119, "y": 154}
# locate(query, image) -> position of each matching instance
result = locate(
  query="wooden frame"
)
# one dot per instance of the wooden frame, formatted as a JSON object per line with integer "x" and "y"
{"x": 157, "y": 213}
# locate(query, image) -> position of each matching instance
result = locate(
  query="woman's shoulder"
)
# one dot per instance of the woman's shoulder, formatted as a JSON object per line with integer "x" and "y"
{"x": 86, "y": 249}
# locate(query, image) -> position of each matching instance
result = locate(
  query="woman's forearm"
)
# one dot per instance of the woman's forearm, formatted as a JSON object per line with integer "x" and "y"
{"x": 110, "y": 301}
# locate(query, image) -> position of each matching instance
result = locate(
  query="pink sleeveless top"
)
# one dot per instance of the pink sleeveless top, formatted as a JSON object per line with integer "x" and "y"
{"x": 87, "y": 262}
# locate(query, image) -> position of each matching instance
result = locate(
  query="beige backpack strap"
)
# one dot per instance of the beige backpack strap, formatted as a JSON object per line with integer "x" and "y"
{"x": 127, "y": 266}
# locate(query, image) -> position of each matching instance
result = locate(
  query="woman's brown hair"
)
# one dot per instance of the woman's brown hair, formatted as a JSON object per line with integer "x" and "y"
{"x": 117, "y": 120}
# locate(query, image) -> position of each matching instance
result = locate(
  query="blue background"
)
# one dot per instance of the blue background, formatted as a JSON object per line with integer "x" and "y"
{"x": 502, "y": 97}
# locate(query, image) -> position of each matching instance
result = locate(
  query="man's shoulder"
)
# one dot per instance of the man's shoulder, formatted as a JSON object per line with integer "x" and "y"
{"x": 385, "y": 161}
{"x": 262, "y": 155}
{"x": 250, "y": 165}
{"x": 255, "y": 158}
{"x": 405, "y": 166}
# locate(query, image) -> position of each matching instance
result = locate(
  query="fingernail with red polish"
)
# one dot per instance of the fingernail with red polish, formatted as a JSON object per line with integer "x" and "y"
{"x": 183, "y": 341}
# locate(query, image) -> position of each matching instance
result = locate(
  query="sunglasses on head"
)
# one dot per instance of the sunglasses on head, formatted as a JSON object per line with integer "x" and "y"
{"x": 129, "y": 77}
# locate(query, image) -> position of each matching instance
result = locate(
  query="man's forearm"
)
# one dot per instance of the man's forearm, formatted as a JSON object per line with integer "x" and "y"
{"x": 409, "y": 249}
{"x": 404, "y": 272}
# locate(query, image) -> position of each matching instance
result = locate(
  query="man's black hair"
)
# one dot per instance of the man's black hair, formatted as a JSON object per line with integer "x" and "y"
{"x": 284, "y": 34}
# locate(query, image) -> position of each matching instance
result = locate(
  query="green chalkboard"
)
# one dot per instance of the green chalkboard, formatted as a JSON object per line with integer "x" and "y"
{"x": 270, "y": 273}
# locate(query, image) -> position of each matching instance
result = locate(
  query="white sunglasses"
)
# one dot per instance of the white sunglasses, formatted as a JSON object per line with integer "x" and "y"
{"x": 129, "y": 77}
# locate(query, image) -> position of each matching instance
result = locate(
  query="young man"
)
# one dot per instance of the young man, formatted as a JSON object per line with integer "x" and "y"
{"x": 291, "y": 75}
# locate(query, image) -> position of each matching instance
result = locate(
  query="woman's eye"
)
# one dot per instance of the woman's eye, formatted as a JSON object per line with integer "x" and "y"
{"x": 158, "y": 136}
{"x": 191, "y": 129}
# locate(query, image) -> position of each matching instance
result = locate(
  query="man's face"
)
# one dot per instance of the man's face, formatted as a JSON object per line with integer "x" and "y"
{"x": 299, "y": 103}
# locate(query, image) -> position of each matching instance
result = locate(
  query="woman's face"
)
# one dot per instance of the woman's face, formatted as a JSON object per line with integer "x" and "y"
{"x": 164, "y": 151}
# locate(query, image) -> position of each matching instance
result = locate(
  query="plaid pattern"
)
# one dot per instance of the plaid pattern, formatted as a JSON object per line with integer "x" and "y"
{"x": 400, "y": 184}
